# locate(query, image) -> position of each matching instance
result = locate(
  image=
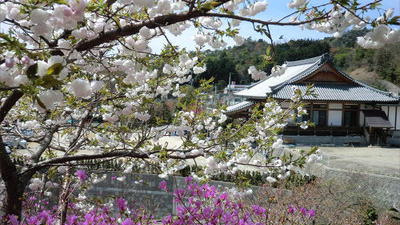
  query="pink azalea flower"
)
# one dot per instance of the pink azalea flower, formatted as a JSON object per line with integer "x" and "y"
{"x": 312, "y": 213}
{"x": 81, "y": 174}
{"x": 163, "y": 185}
{"x": 303, "y": 211}
{"x": 292, "y": 209}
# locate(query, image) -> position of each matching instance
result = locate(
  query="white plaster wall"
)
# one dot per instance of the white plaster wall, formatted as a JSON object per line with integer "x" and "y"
{"x": 335, "y": 106}
{"x": 285, "y": 105}
{"x": 364, "y": 106}
{"x": 385, "y": 109}
{"x": 361, "y": 119}
{"x": 392, "y": 116}
{"x": 335, "y": 118}
{"x": 398, "y": 118}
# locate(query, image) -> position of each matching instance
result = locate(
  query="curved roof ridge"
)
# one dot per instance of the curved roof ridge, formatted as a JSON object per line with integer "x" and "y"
{"x": 303, "y": 73}
{"x": 305, "y": 61}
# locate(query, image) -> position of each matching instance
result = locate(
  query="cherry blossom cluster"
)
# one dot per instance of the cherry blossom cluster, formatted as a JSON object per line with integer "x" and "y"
{"x": 340, "y": 19}
{"x": 256, "y": 74}
{"x": 278, "y": 70}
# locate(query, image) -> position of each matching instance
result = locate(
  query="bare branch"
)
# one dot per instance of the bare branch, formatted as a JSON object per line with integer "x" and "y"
{"x": 263, "y": 22}
{"x": 163, "y": 20}
{"x": 9, "y": 103}
{"x": 44, "y": 144}
{"x": 113, "y": 154}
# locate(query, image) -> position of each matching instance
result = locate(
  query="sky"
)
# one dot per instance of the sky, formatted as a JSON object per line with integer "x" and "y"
{"x": 276, "y": 9}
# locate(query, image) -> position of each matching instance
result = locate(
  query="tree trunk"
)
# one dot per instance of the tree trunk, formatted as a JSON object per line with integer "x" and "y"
{"x": 15, "y": 183}
{"x": 14, "y": 194}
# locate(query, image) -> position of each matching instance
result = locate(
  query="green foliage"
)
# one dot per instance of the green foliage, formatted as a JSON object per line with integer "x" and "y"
{"x": 238, "y": 59}
{"x": 349, "y": 57}
{"x": 371, "y": 215}
{"x": 221, "y": 84}
{"x": 346, "y": 55}
{"x": 348, "y": 40}
{"x": 340, "y": 58}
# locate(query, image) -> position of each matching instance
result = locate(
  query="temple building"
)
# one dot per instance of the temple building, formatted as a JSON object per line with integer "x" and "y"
{"x": 343, "y": 107}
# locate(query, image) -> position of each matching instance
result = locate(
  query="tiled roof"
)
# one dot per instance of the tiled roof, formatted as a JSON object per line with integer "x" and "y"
{"x": 239, "y": 106}
{"x": 280, "y": 86}
{"x": 376, "y": 118}
{"x": 338, "y": 92}
{"x": 261, "y": 89}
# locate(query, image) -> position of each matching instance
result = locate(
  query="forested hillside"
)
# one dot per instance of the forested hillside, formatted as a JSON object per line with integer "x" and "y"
{"x": 347, "y": 55}
{"x": 383, "y": 62}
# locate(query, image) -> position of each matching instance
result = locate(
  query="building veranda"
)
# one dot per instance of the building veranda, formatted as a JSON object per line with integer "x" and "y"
{"x": 342, "y": 107}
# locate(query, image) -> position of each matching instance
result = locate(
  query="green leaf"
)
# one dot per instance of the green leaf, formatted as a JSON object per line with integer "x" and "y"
{"x": 373, "y": 6}
{"x": 210, "y": 5}
{"x": 268, "y": 51}
{"x": 40, "y": 103}
{"x": 48, "y": 81}
{"x": 32, "y": 71}
{"x": 54, "y": 69}
{"x": 61, "y": 2}
{"x": 394, "y": 20}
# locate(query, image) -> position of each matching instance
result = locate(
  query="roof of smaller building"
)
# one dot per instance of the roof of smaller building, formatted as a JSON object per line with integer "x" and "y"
{"x": 376, "y": 119}
{"x": 240, "y": 106}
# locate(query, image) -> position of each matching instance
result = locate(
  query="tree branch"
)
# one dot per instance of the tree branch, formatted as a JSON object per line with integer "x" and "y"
{"x": 44, "y": 144}
{"x": 115, "y": 154}
{"x": 9, "y": 103}
{"x": 263, "y": 22}
{"x": 163, "y": 20}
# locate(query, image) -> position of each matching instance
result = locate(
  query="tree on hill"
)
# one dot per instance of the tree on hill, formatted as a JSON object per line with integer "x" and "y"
{"x": 67, "y": 64}
{"x": 349, "y": 57}
{"x": 238, "y": 59}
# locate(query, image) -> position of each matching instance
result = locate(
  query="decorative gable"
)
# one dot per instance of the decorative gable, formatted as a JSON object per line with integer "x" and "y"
{"x": 326, "y": 74}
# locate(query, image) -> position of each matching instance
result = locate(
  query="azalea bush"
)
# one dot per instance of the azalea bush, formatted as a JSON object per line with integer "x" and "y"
{"x": 195, "y": 204}
{"x": 79, "y": 79}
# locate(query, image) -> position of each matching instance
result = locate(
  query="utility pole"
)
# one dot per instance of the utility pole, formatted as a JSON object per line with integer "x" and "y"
{"x": 215, "y": 95}
{"x": 229, "y": 89}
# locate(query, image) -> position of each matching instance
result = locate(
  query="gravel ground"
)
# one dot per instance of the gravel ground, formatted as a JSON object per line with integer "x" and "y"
{"x": 375, "y": 160}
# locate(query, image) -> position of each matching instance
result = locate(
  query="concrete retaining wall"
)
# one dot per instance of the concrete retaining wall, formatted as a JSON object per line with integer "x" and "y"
{"x": 328, "y": 140}
{"x": 146, "y": 193}
{"x": 383, "y": 191}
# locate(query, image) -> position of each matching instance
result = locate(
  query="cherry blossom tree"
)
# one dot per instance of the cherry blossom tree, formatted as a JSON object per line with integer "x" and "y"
{"x": 80, "y": 75}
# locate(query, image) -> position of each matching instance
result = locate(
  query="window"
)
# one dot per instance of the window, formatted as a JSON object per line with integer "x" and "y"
{"x": 319, "y": 114}
{"x": 319, "y": 117}
{"x": 350, "y": 116}
{"x": 351, "y": 107}
{"x": 319, "y": 106}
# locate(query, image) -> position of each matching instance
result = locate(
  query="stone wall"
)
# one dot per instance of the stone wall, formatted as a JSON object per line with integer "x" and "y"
{"x": 328, "y": 140}
{"x": 383, "y": 191}
{"x": 146, "y": 193}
